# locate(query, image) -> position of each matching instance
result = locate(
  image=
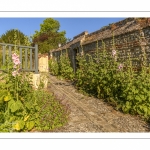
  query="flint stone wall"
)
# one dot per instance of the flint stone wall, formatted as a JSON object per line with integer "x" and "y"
{"x": 130, "y": 36}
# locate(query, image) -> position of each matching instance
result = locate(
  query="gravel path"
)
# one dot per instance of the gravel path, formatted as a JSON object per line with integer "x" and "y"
{"x": 88, "y": 114}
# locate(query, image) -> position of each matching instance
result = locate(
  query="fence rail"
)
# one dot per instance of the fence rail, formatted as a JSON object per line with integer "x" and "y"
{"x": 28, "y": 56}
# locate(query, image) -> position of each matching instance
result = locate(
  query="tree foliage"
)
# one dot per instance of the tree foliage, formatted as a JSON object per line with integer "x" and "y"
{"x": 1, "y": 40}
{"x": 14, "y": 36}
{"x": 49, "y": 37}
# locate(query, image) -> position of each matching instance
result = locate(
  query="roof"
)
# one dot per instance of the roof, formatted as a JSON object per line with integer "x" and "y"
{"x": 122, "y": 27}
{"x": 76, "y": 39}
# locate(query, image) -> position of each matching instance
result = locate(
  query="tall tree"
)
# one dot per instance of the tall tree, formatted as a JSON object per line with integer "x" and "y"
{"x": 49, "y": 36}
{"x": 14, "y": 36}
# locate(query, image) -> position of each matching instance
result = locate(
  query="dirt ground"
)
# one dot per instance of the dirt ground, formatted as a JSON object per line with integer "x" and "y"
{"x": 88, "y": 114}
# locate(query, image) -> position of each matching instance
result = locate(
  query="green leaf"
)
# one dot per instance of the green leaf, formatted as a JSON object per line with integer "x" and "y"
{"x": 10, "y": 103}
{"x": 12, "y": 118}
{"x": 8, "y": 85}
{"x": 1, "y": 99}
{"x": 15, "y": 106}
{"x": 37, "y": 121}
{"x": 2, "y": 94}
{"x": 139, "y": 112}
{"x": 135, "y": 91}
{"x": 36, "y": 115}
{"x": 28, "y": 105}
{"x": 19, "y": 125}
{"x": 37, "y": 108}
{"x": 129, "y": 97}
{"x": 148, "y": 111}
{"x": 127, "y": 103}
{"x": 145, "y": 90}
{"x": 145, "y": 109}
{"x": 137, "y": 98}
{"x": 30, "y": 125}
{"x": 142, "y": 97}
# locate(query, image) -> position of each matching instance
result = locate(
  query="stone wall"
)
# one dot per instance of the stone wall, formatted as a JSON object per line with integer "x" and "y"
{"x": 129, "y": 36}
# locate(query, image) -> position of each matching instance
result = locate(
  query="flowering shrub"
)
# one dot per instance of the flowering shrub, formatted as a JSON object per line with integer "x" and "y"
{"x": 113, "y": 53}
{"x": 16, "y": 63}
{"x": 22, "y": 108}
{"x": 106, "y": 77}
{"x": 120, "y": 67}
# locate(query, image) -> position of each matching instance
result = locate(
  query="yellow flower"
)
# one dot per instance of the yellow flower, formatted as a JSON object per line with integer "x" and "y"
{"x": 17, "y": 127}
{"x": 26, "y": 118}
{"x": 7, "y": 98}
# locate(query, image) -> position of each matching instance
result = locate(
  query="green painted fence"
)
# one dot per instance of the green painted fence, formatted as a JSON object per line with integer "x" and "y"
{"x": 28, "y": 56}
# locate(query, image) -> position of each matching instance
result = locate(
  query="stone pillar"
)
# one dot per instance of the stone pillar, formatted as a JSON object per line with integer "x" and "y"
{"x": 43, "y": 63}
{"x": 42, "y": 77}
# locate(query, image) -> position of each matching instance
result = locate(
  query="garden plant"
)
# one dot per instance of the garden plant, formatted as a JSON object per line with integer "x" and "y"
{"x": 120, "y": 82}
{"x": 21, "y": 107}
{"x": 62, "y": 67}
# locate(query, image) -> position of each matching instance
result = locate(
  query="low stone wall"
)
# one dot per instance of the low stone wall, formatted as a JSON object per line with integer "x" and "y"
{"x": 37, "y": 79}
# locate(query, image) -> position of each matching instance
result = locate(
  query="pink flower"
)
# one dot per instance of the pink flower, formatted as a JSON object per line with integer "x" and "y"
{"x": 120, "y": 66}
{"x": 14, "y": 73}
{"x": 113, "y": 53}
{"x": 15, "y": 56}
{"x": 16, "y": 61}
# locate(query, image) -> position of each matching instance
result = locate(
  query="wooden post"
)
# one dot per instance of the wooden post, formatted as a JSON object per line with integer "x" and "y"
{"x": 36, "y": 59}
{"x": 4, "y": 51}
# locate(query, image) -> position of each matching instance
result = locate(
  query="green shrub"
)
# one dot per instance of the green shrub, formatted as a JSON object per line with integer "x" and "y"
{"x": 66, "y": 70}
{"x": 62, "y": 67}
{"x": 54, "y": 67}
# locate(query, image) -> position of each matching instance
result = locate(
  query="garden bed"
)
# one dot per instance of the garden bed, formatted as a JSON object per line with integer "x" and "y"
{"x": 23, "y": 109}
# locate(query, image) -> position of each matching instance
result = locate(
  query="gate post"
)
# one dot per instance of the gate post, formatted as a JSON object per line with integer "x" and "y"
{"x": 36, "y": 59}
{"x": 36, "y": 74}
{"x": 4, "y": 52}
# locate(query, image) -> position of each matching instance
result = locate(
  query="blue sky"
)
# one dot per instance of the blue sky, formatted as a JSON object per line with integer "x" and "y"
{"x": 72, "y": 26}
